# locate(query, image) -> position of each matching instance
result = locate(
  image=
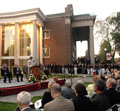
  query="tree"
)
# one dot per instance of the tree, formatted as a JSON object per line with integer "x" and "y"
{"x": 104, "y": 44}
{"x": 105, "y": 32}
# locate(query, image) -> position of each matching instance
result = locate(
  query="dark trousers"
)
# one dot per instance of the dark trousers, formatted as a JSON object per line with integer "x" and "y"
{"x": 5, "y": 77}
{"x": 17, "y": 76}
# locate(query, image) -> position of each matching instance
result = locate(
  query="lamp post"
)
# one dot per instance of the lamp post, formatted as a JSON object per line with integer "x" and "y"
{"x": 105, "y": 49}
{"x": 112, "y": 52}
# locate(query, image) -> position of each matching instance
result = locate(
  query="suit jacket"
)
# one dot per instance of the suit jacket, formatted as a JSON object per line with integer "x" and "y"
{"x": 28, "y": 109}
{"x": 46, "y": 98}
{"x": 59, "y": 104}
{"x": 100, "y": 102}
{"x": 15, "y": 71}
{"x": 68, "y": 93}
{"x": 113, "y": 96}
{"x": 82, "y": 103}
{"x": 4, "y": 70}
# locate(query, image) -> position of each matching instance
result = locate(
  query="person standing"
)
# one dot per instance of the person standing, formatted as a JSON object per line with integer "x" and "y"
{"x": 59, "y": 103}
{"x": 30, "y": 64}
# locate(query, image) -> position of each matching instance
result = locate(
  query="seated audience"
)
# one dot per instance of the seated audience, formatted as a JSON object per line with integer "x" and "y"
{"x": 59, "y": 103}
{"x": 99, "y": 100}
{"x": 111, "y": 93}
{"x": 118, "y": 86}
{"x": 5, "y": 73}
{"x": 17, "y": 72}
{"x": 47, "y": 95}
{"x": 68, "y": 92}
{"x": 23, "y": 99}
{"x": 90, "y": 89}
{"x": 81, "y": 101}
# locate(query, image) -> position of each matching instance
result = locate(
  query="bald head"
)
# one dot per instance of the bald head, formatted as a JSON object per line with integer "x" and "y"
{"x": 111, "y": 83}
{"x": 56, "y": 88}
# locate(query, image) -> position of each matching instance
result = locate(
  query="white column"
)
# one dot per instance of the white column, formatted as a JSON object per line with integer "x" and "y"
{"x": 16, "y": 44}
{"x": 0, "y": 43}
{"x": 41, "y": 45}
{"x": 34, "y": 47}
{"x": 92, "y": 58}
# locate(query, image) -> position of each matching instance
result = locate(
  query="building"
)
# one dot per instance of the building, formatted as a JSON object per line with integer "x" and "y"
{"x": 47, "y": 38}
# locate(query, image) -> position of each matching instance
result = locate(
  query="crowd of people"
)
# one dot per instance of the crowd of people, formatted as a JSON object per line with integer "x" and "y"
{"x": 79, "y": 66}
{"x": 99, "y": 96}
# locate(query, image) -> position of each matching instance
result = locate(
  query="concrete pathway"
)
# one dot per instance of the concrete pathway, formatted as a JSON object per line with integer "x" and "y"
{"x": 12, "y": 98}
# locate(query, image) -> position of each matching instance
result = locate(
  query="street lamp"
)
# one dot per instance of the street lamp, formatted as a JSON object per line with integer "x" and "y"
{"x": 105, "y": 49}
{"x": 112, "y": 52}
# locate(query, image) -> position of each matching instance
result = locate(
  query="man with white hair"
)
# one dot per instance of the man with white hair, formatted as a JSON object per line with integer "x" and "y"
{"x": 68, "y": 92}
{"x": 23, "y": 99}
{"x": 111, "y": 93}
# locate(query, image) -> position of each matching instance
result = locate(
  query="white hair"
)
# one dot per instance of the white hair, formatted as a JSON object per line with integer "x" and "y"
{"x": 24, "y": 97}
{"x": 80, "y": 81}
{"x": 68, "y": 83}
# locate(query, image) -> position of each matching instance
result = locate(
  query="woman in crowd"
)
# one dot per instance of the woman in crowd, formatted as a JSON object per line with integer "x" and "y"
{"x": 81, "y": 101}
{"x": 47, "y": 95}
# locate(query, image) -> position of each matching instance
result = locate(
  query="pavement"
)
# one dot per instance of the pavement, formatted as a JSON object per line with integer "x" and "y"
{"x": 13, "y": 98}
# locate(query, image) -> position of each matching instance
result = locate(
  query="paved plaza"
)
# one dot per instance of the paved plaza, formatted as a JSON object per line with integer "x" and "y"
{"x": 12, "y": 98}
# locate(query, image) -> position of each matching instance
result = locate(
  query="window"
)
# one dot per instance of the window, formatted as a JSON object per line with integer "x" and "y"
{"x": 25, "y": 39}
{"x": 46, "y": 52}
{"x": 46, "y": 34}
{"x": 8, "y": 40}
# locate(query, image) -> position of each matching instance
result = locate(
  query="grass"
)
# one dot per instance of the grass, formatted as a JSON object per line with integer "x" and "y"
{"x": 68, "y": 76}
{"x": 87, "y": 83}
{"x": 5, "y": 106}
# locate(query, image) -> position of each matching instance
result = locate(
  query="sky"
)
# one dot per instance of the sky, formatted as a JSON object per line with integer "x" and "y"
{"x": 101, "y": 8}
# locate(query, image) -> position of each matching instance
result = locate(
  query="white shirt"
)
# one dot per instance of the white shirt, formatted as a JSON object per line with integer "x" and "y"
{"x": 30, "y": 63}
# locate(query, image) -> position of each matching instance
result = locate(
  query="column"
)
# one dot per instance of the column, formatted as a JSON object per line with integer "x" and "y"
{"x": 88, "y": 48}
{"x": 34, "y": 46}
{"x": 41, "y": 45}
{"x": 91, "y": 40}
{"x": 0, "y": 43}
{"x": 16, "y": 44}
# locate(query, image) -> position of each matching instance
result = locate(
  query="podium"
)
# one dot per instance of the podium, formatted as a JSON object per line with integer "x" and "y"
{"x": 36, "y": 70}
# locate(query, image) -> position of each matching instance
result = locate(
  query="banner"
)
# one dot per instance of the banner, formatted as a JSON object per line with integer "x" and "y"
{"x": 108, "y": 56}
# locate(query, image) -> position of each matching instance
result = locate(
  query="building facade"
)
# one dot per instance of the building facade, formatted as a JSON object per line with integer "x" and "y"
{"x": 47, "y": 38}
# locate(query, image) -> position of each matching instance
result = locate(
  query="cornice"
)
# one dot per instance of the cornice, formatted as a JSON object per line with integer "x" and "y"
{"x": 78, "y": 19}
{"x": 34, "y": 11}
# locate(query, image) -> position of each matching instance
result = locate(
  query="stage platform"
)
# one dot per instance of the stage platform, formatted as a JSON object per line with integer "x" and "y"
{"x": 15, "y": 87}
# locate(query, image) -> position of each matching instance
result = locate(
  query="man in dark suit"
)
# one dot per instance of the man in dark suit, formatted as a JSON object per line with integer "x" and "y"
{"x": 68, "y": 92}
{"x": 111, "y": 93}
{"x": 5, "y": 72}
{"x": 17, "y": 72}
{"x": 23, "y": 99}
{"x": 99, "y": 100}
{"x": 59, "y": 103}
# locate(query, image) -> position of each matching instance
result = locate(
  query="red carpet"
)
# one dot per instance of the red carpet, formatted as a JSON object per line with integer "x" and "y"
{"x": 31, "y": 87}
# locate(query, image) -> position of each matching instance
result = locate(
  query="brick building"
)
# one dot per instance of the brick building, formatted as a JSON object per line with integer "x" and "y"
{"x": 47, "y": 38}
